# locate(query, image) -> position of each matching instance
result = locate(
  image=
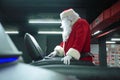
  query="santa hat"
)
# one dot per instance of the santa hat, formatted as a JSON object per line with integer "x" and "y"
{"x": 71, "y": 14}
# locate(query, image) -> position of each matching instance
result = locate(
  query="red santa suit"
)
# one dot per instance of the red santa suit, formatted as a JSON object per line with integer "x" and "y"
{"x": 78, "y": 41}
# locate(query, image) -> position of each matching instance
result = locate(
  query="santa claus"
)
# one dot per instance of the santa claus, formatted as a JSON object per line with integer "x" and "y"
{"x": 76, "y": 38}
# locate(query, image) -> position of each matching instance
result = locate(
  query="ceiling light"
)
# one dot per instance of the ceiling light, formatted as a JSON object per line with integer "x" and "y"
{"x": 49, "y": 32}
{"x": 12, "y": 32}
{"x": 36, "y": 21}
{"x": 115, "y": 39}
{"x": 110, "y": 42}
{"x": 96, "y": 32}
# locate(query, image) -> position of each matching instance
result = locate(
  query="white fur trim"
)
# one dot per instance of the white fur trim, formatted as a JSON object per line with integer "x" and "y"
{"x": 60, "y": 50}
{"x": 73, "y": 53}
{"x": 67, "y": 13}
{"x": 70, "y": 14}
{"x": 74, "y": 19}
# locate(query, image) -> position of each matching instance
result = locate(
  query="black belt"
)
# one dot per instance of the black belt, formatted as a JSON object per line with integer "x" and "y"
{"x": 88, "y": 54}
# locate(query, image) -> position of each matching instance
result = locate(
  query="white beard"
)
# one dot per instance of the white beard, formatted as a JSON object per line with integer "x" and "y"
{"x": 66, "y": 25}
{"x": 66, "y": 34}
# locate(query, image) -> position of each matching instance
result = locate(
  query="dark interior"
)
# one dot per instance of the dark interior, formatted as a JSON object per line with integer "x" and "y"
{"x": 14, "y": 16}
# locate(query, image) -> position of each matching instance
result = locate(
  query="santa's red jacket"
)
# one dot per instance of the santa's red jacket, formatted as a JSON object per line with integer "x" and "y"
{"x": 78, "y": 42}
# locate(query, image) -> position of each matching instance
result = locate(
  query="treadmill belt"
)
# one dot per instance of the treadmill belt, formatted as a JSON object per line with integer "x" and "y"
{"x": 57, "y": 60}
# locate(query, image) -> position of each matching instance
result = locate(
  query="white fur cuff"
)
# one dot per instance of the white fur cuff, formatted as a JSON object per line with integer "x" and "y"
{"x": 60, "y": 50}
{"x": 73, "y": 53}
